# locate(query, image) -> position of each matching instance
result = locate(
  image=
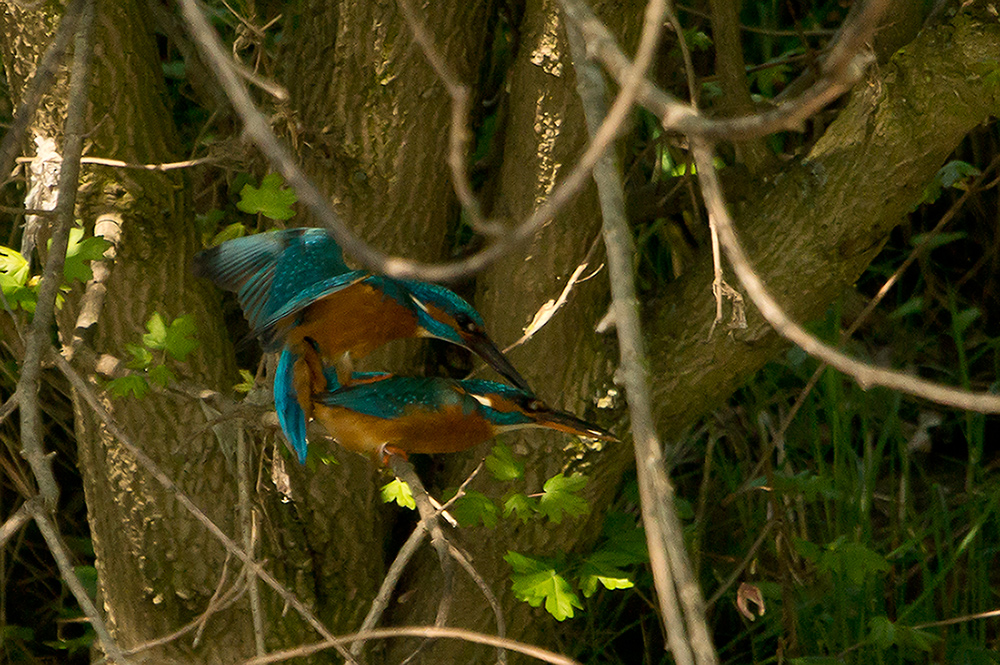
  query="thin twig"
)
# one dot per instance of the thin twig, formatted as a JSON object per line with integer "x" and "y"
{"x": 381, "y": 601}
{"x": 687, "y": 632}
{"x": 259, "y": 131}
{"x": 464, "y": 561}
{"x": 57, "y": 547}
{"x": 38, "y": 339}
{"x": 458, "y": 131}
{"x": 747, "y": 558}
{"x": 865, "y": 374}
{"x": 428, "y": 632}
{"x": 14, "y": 523}
{"x": 232, "y": 595}
{"x": 841, "y": 70}
{"x": 154, "y": 470}
{"x": 243, "y": 464}
{"x": 109, "y": 227}
{"x": 429, "y": 516}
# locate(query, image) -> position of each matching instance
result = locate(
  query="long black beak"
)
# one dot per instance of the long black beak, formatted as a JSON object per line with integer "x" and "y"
{"x": 484, "y": 347}
{"x": 567, "y": 422}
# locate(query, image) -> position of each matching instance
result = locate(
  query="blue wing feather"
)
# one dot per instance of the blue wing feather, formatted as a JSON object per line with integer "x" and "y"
{"x": 291, "y": 417}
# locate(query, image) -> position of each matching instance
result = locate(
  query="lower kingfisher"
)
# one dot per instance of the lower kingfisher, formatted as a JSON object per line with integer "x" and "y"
{"x": 402, "y": 414}
{"x": 296, "y": 379}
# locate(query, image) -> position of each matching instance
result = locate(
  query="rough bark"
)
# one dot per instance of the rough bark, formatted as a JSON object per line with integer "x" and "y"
{"x": 815, "y": 226}
{"x": 157, "y": 566}
{"x": 373, "y": 124}
{"x": 567, "y": 363}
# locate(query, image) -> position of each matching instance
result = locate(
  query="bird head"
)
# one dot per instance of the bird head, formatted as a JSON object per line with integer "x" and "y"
{"x": 442, "y": 314}
{"x": 509, "y": 408}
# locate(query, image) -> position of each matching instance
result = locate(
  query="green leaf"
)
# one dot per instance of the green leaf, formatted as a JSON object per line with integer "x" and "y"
{"x": 885, "y": 634}
{"x": 179, "y": 341}
{"x": 806, "y": 549}
{"x": 161, "y": 375}
{"x": 271, "y": 200}
{"x": 123, "y": 385}
{"x": 914, "y": 305}
{"x": 13, "y": 265}
{"x": 12, "y": 633}
{"x": 246, "y": 385}
{"x": 231, "y": 232}
{"x": 79, "y": 253}
{"x": 604, "y": 567}
{"x": 625, "y": 538}
{"x": 141, "y": 356}
{"x": 474, "y": 508}
{"x": 855, "y": 560}
{"x": 535, "y": 581}
{"x": 88, "y": 578}
{"x": 501, "y": 463}
{"x": 398, "y": 491}
{"x": 935, "y": 240}
{"x": 156, "y": 338}
{"x": 559, "y": 497}
{"x": 964, "y": 319}
{"x": 521, "y": 504}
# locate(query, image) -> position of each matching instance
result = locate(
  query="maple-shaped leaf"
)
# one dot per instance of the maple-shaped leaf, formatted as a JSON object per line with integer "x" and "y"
{"x": 399, "y": 492}
{"x": 559, "y": 497}
{"x": 79, "y": 253}
{"x": 502, "y": 464}
{"x": 271, "y": 200}
{"x": 535, "y": 581}
{"x": 521, "y": 504}
{"x": 176, "y": 338}
{"x": 123, "y": 385}
{"x": 474, "y": 508}
{"x": 604, "y": 567}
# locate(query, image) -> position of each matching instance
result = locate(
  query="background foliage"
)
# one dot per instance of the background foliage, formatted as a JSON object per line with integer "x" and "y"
{"x": 868, "y": 521}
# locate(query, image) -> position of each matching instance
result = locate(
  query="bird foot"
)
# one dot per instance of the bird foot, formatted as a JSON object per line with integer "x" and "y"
{"x": 385, "y": 451}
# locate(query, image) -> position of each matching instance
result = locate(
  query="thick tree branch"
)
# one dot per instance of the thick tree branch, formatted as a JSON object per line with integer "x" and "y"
{"x": 818, "y": 225}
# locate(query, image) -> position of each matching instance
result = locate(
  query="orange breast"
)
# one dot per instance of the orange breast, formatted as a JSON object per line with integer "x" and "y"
{"x": 357, "y": 319}
{"x": 446, "y": 431}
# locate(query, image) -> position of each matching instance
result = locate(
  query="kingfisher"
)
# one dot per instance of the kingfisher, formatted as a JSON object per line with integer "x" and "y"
{"x": 293, "y": 285}
{"x": 301, "y": 298}
{"x": 405, "y": 414}
{"x": 296, "y": 379}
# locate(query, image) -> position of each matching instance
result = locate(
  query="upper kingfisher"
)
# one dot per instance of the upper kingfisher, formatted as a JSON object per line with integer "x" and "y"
{"x": 405, "y": 414}
{"x": 296, "y": 290}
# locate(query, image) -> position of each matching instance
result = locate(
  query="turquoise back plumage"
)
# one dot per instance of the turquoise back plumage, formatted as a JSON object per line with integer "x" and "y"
{"x": 396, "y": 396}
{"x": 267, "y": 270}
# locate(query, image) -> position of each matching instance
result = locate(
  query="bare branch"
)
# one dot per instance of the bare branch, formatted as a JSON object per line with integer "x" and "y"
{"x": 866, "y": 375}
{"x": 686, "y": 629}
{"x": 389, "y": 583}
{"x": 291, "y": 599}
{"x": 428, "y": 632}
{"x": 38, "y": 338}
{"x": 59, "y": 552}
{"x": 842, "y": 69}
{"x": 109, "y": 227}
{"x": 429, "y": 517}
{"x": 458, "y": 131}
{"x": 14, "y": 523}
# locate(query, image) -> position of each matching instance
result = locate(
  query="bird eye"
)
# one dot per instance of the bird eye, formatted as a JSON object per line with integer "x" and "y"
{"x": 465, "y": 322}
{"x": 534, "y": 405}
